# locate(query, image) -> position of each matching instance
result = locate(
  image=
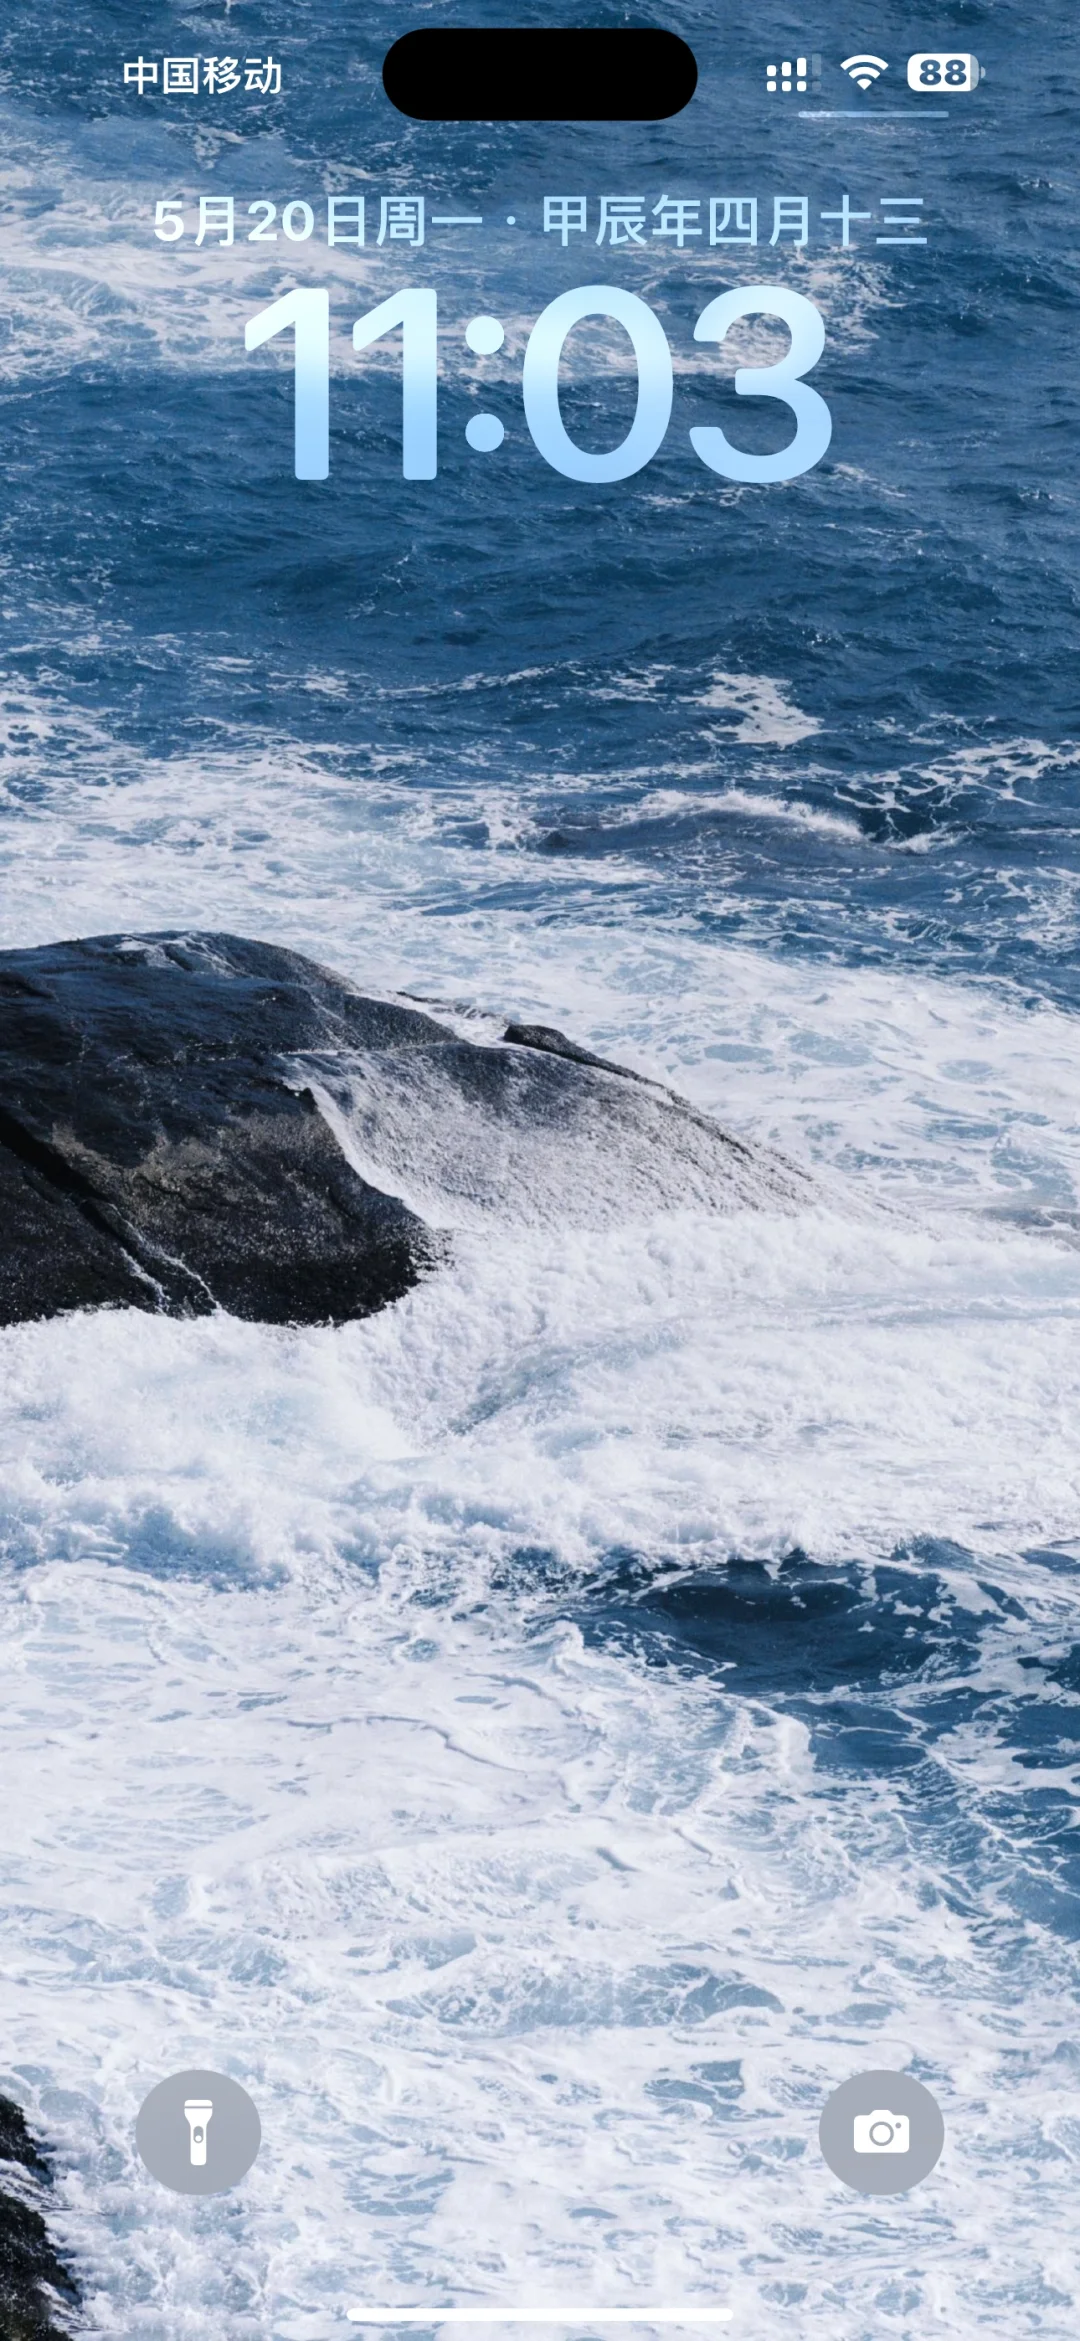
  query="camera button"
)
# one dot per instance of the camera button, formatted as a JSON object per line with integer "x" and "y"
{"x": 881, "y": 2133}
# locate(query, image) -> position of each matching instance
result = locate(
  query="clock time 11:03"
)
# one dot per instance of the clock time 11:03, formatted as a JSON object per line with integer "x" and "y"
{"x": 306, "y": 313}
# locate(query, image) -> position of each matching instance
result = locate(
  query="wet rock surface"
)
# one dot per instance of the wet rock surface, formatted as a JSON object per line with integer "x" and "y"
{"x": 152, "y": 1153}
{"x": 35, "y": 2287}
{"x": 194, "y": 1121}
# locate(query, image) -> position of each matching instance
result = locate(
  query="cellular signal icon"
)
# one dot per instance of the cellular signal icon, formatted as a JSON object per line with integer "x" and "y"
{"x": 793, "y": 73}
{"x": 864, "y": 71}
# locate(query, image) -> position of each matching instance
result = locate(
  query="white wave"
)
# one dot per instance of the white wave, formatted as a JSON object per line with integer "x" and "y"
{"x": 660, "y": 804}
{"x": 916, "y": 1087}
{"x": 606, "y": 1151}
{"x": 540, "y": 1961}
{"x": 675, "y": 1387}
{"x": 1009, "y": 769}
{"x": 764, "y": 714}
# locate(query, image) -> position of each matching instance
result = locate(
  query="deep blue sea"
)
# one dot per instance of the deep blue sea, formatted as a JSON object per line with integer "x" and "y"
{"x": 544, "y": 1738}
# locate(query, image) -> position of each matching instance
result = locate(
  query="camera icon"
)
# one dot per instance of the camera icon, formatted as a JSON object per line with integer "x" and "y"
{"x": 890, "y": 2148}
{"x": 881, "y": 2132}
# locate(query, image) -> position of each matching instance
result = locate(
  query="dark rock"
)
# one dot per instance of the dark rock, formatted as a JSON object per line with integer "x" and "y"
{"x": 545, "y": 1036}
{"x": 196, "y": 1121}
{"x": 16, "y": 2143}
{"x": 54, "y": 1254}
{"x": 152, "y": 1153}
{"x": 34, "y": 2283}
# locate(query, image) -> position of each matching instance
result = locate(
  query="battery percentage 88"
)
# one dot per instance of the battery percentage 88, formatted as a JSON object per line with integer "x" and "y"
{"x": 940, "y": 69}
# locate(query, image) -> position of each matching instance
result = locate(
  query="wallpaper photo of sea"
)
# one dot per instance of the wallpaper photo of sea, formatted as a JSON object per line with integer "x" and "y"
{"x": 542, "y": 1734}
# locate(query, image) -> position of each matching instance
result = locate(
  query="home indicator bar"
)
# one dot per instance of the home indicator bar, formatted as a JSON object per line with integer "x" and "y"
{"x": 589, "y": 2317}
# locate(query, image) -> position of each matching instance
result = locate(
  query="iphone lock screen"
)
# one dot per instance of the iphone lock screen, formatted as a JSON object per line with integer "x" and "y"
{"x": 539, "y": 1170}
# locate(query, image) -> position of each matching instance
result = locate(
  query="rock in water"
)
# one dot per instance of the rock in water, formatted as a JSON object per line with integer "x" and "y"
{"x": 153, "y": 1154}
{"x": 29, "y": 2268}
{"x": 196, "y": 1121}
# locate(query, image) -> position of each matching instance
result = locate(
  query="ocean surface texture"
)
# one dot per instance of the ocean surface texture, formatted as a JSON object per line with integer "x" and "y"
{"x": 544, "y": 1738}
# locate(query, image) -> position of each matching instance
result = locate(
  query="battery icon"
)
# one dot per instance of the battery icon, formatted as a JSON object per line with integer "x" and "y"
{"x": 940, "y": 69}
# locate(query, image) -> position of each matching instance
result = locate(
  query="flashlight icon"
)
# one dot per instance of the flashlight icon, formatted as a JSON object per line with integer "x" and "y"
{"x": 197, "y": 2112}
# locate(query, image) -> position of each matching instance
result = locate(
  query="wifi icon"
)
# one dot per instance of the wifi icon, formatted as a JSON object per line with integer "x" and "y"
{"x": 864, "y": 71}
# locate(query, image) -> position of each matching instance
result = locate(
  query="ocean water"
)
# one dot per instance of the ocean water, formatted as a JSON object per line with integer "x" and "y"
{"x": 544, "y": 1738}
